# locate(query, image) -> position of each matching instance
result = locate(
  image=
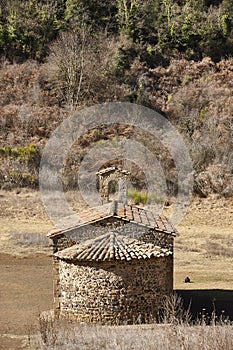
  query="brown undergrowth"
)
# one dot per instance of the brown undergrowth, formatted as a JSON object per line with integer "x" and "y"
{"x": 195, "y": 96}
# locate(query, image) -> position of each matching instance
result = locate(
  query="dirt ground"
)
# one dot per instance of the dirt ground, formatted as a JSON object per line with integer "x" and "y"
{"x": 203, "y": 251}
{"x": 26, "y": 290}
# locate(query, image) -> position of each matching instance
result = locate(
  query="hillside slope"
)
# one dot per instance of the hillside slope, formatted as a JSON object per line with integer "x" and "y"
{"x": 197, "y": 97}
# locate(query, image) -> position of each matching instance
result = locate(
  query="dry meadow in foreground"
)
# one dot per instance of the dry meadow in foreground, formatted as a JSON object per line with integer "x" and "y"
{"x": 141, "y": 337}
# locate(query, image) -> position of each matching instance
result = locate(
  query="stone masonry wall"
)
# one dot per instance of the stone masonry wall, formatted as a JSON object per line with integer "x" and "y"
{"x": 59, "y": 243}
{"x": 114, "y": 292}
{"x": 91, "y": 231}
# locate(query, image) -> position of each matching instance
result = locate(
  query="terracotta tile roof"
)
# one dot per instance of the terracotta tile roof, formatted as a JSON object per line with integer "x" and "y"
{"x": 111, "y": 247}
{"x": 86, "y": 217}
{"x": 128, "y": 213}
{"x": 143, "y": 217}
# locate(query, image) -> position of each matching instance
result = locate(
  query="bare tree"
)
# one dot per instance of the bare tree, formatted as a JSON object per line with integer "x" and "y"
{"x": 68, "y": 64}
{"x": 81, "y": 67}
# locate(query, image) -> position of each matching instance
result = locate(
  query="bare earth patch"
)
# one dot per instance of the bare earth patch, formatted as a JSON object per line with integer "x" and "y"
{"x": 203, "y": 251}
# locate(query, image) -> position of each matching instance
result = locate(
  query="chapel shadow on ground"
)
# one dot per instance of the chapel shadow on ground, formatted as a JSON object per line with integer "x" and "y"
{"x": 208, "y": 301}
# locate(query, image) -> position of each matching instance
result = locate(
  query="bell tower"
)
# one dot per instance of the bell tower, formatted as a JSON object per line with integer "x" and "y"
{"x": 112, "y": 183}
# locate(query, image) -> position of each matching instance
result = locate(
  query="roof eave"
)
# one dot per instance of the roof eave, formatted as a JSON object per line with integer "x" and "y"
{"x": 55, "y": 233}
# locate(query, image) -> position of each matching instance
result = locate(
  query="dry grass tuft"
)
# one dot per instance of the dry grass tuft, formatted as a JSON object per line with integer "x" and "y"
{"x": 59, "y": 335}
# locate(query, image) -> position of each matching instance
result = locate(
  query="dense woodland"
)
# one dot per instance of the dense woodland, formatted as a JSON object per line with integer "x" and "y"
{"x": 173, "y": 56}
{"x": 157, "y": 29}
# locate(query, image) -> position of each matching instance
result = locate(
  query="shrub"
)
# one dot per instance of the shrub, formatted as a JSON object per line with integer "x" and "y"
{"x": 143, "y": 197}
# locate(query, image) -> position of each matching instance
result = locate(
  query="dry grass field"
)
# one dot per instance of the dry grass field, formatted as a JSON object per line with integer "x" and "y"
{"x": 141, "y": 337}
{"x": 203, "y": 251}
